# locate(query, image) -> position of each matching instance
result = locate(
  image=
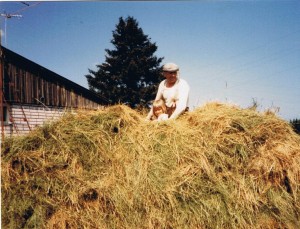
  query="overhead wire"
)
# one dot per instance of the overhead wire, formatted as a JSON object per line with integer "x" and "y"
{"x": 219, "y": 74}
{"x": 268, "y": 58}
{"x": 257, "y": 78}
{"x": 278, "y": 55}
{"x": 27, "y": 7}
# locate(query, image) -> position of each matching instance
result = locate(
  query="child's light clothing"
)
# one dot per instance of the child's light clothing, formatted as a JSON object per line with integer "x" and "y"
{"x": 163, "y": 117}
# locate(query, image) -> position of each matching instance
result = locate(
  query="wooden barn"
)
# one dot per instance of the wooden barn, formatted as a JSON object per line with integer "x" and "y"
{"x": 32, "y": 94}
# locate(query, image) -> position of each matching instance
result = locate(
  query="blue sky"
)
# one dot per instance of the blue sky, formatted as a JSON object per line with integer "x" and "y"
{"x": 228, "y": 51}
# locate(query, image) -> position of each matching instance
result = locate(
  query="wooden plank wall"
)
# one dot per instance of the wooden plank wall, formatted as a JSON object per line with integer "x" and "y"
{"x": 34, "y": 95}
{"x": 27, "y": 88}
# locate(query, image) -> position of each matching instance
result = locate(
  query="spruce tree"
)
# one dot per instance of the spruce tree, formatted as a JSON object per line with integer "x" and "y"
{"x": 130, "y": 73}
{"x": 296, "y": 125}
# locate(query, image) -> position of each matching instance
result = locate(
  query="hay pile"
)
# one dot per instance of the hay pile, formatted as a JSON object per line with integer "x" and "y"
{"x": 219, "y": 166}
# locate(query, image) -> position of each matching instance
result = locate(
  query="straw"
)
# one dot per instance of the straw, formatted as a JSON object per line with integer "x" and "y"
{"x": 219, "y": 166}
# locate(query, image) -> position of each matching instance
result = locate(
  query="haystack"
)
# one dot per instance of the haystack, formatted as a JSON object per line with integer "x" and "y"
{"x": 219, "y": 166}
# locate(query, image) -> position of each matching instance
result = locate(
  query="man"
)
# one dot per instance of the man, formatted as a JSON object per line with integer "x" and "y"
{"x": 174, "y": 91}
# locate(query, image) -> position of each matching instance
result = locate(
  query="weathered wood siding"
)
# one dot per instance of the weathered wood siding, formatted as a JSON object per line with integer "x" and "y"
{"x": 33, "y": 95}
{"x": 26, "y": 82}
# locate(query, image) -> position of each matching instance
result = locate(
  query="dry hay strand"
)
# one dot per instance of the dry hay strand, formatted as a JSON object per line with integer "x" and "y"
{"x": 218, "y": 166}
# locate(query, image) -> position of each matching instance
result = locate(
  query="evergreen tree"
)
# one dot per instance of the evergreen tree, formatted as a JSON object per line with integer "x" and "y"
{"x": 131, "y": 72}
{"x": 296, "y": 125}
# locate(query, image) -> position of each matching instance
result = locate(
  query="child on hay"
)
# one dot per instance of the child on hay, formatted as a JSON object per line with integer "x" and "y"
{"x": 159, "y": 110}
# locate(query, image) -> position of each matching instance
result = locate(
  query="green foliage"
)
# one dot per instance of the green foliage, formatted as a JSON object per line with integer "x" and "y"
{"x": 131, "y": 72}
{"x": 296, "y": 125}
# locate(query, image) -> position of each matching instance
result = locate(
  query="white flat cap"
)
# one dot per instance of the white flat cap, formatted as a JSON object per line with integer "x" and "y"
{"x": 170, "y": 67}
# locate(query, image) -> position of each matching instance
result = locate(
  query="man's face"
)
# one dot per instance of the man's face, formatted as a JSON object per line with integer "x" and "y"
{"x": 171, "y": 77}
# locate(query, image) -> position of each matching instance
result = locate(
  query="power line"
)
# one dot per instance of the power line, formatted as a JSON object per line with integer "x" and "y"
{"x": 267, "y": 58}
{"x": 27, "y": 7}
{"x": 220, "y": 72}
{"x": 25, "y": 3}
